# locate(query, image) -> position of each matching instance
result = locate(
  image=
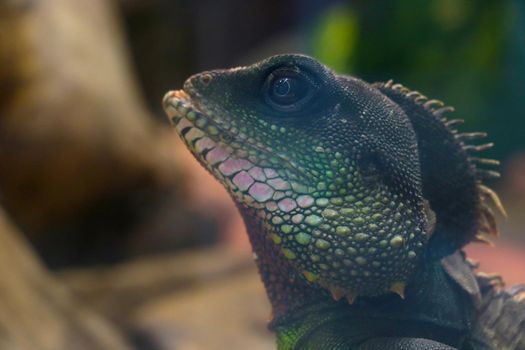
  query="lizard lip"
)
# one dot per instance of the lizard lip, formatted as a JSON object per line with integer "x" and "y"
{"x": 184, "y": 113}
{"x": 174, "y": 99}
{"x": 249, "y": 176}
{"x": 180, "y": 106}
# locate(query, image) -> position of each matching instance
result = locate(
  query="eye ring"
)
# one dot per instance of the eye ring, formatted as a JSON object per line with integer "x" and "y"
{"x": 288, "y": 89}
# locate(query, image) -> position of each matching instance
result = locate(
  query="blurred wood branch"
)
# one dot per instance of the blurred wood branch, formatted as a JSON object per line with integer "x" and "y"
{"x": 39, "y": 312}
{"x": 208, "y": 298}
{"x": 73, "y": 126}
{"x": 83, "y": 161}
{"x": 117, "y": 291}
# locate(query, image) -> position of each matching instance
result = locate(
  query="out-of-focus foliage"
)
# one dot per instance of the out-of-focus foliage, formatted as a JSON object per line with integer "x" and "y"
{"x": 335, "y": 37}
{"x": 470, "y": 54}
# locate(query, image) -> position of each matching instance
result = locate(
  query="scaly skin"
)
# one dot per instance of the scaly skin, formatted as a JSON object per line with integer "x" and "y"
{"x": 350, "y": 192}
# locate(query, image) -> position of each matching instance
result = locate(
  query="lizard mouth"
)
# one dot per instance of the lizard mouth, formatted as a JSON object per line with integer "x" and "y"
{"x": 206, "y": 141}
{"x": 246, "y": 171}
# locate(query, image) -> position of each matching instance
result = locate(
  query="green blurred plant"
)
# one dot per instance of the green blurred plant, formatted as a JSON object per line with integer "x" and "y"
{"x": 460, "y": 51}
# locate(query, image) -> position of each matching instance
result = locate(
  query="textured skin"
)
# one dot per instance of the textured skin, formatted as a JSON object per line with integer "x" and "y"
{"x": 357, "y": 199}
{"x": 403, "y": 344}
{"x": 436, "y": 307}
{"x": 502, "y": 313}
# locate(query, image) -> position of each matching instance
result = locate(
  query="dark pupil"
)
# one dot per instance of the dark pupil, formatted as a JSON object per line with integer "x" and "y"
{"x": 282, "y": 87}
{"x": 288, "y": 90}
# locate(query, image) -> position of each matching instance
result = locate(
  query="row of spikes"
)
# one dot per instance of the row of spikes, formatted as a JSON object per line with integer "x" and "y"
{"x": 340, "y": 293}
{"x": 487, "y": 223}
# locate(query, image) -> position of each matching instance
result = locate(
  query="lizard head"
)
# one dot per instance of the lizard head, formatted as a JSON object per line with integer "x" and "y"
{"x": 326, "y": 163}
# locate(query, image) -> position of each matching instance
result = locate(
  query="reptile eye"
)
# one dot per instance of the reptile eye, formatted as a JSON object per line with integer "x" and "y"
{"x": 288, "y": 89}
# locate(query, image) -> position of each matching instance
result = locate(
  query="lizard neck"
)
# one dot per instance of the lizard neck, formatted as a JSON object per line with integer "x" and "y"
{"x": 300, "y": 308}
{"x": 286, "y": 290}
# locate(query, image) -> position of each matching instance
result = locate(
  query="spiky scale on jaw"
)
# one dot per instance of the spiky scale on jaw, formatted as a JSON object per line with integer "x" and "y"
{"x": 399, "y": 289}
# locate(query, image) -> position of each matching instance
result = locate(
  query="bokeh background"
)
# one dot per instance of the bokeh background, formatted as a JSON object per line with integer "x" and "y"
{"x": 112, "y": 237}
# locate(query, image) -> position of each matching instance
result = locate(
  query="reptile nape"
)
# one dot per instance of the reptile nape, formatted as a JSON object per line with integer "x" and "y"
{"x": 357, "y": 199}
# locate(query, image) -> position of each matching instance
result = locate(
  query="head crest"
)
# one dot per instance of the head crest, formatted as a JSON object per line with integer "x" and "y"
{"x": 451, "y": 170}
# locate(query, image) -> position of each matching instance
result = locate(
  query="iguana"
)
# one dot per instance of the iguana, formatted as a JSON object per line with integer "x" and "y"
{"x": 357, "y": 199}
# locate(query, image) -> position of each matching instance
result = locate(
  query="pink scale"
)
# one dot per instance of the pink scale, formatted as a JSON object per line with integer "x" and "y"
{"x": 261, "y": 192}
{"x": 287, "y": 204}
{"x": 204, "y": 144}
{"x": 257, "y": 173}
{"x": 305, "y": 201}
{"x": 243, "y": 180}
{"x": 217, "y": 155}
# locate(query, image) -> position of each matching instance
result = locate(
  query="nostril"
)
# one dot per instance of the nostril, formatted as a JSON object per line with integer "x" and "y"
{"x": 205, "y": 79}
{"x": 197, "y": 81}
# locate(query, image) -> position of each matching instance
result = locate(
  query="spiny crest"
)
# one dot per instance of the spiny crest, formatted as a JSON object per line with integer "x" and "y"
{"x": 438, "y": 109}
{"x": 486, "y": 218}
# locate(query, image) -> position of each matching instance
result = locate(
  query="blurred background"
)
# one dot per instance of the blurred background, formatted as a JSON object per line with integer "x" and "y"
{"x": 112, "y": 237}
